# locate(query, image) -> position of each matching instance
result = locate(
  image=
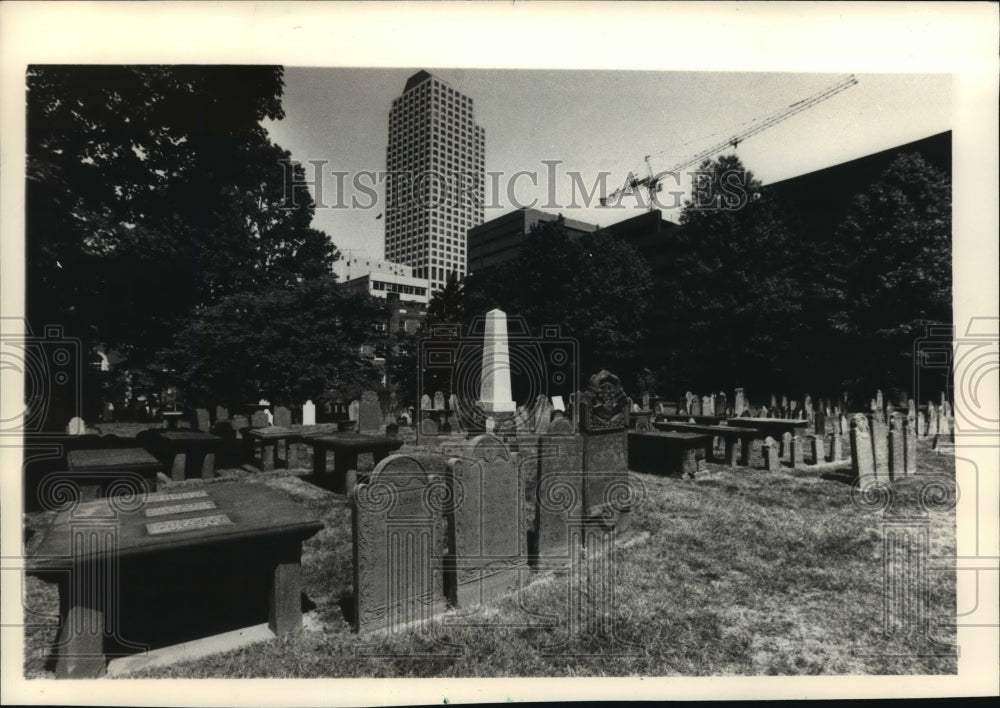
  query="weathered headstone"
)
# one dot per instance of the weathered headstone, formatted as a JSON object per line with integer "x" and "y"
{"x": 309, "y": 413}
{"x": 946, "y": 424}
{"x": 895, "y": 448}
{"x": 240, "y": 422}
{"x": 221, "y": 413}
{"x": 202, "y": 421}
{"x": 543, "y": 414}
{"x": 399, "y": 535}
{"x": 282, "y": 417}
{"x": 560, "y": 425}
{"x": 706, "y": 405}
{"x": 559, "y": 497}
{"x": 879, "y": 402}
{"x": 495, "y": 391}
{"x": 932, "y": 420}
{"x": 354, "y": 410}
{"x": 259, "y": 419}
{"x": 425, "y": 403}
{"x": 739, "y": 402}
{"x": 487, "y": 531}
{"x": 880, "y": 445}
{"x": 557, "y": 404}
{"x": 834, "y": 447}
{"x": 439, "y": 401}
{"x": 819, "y": 423}
{"x": 720, "y": 404}
{"x": 909, "y": 448}
{"x": 689, "y": 399}
{"x": 645, "y": 401}
{"x": 429, "y": 426}
{"x": 786, "y": 447}
{"x": 796, "y": 452}
{"x": 369, "y": 413}
{"x": 815, "y": 448}
{"x": 76, "y": 426}
{"x": 770, "y": 452}
{"x": 695, "y": 407}
{"x": 862, "y": 459}
{"x": 523, "y": 421}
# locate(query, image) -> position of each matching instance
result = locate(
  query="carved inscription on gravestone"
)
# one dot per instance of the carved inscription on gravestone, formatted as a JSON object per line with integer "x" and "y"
{"x": 398, "y": 530}
{"x": 487, "y": 528}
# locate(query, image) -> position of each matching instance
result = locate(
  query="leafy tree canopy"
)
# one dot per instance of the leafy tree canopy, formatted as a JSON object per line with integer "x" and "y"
{"x": 154, "y": 191}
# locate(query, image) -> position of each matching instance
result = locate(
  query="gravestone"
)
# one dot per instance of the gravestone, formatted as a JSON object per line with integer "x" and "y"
{"x": 259, "y": 419}
{"x": 425, "y": 403}
{"x": 845, "y": 426}
{"x": 490, "y": 424}
{"x": 909, "y": 448}
{"x": 202, "y": 422}
{"x": 819, "y": 423}
{"x": 720, "y": 404}
{"x": 695, "y": 407}
{"x": 399, "y": 533}
{"x": 369, "y": 413}
{"x": 862, "y": 459}
{"x": 879, "y": 403}
{"x": 932, "y": 420}
{"x": 879, "y": 432}
{"x": 543, "y": 414}
{"x": 240, "y": 422}
{"x": 76, "y": 426}
{"x": 739, "y": 403}
{"x": 895, "y": 448}
{"x": 786, "y": 446}
{"x": 689, "y": 399}
{"x": 221, "y": 413}
{"x": 558, "y": 499}
{"x": 269, "y": 415}
{"x": 353, "y": 410}
{"x": 605, "y": 446}
{"x": 560, "y": 425}
{"x": 309, "y": 413}
{"x": 946, "y": 424}
{"x": 774, "y": 402}
{"x": 429, "y": 426}
{"x": 769, "y": 450}
{"x": 524, "y": 420}
{"x": 834, "y": 447}
{"x": 796, "y": 452}
{"x": 558, "y": 405}
{"x": 645, "y": 401}
{"x": 282, "y": 417}
{"x": 707, "y": 407}
{"x": 487, "y": 528}
{"x": 815, "y": 448}
{"x": 439, "y": 401}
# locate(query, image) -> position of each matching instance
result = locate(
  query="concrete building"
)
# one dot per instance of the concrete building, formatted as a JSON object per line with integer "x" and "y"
{"x": 499, "y": 240}
{"x": 381, "y": 278}
{"x": 437, "y": 151}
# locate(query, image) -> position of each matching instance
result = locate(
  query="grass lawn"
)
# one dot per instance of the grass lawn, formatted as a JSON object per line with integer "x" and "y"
{"x": 741, "y": 572}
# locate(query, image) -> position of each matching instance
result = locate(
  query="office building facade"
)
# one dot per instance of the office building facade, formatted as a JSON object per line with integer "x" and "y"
{"x": 435, "y": 192}
{"x": 499, "y": 240}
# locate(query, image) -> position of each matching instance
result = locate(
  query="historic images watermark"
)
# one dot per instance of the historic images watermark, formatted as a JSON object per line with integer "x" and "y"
{"x": 386, "y": 191}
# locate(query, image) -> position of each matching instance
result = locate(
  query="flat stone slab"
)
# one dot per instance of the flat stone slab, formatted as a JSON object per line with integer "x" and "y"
{"x": 127, "y": 458}
{"x": 190, "y": 438}
{"x": 271, "y": 432}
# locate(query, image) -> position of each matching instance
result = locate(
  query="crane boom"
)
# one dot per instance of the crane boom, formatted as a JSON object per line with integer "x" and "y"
{"x": 651, "y": 182}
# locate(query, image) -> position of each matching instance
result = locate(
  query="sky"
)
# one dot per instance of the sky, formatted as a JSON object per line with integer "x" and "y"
{"x": 593, "y": 122}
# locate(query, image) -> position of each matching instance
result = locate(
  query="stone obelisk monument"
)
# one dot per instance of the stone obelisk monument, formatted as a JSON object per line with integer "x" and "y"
{"x": 494, "y": 393}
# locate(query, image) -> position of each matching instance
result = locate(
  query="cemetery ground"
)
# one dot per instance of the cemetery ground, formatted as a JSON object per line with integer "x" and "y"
{"x": 735, "y": 572}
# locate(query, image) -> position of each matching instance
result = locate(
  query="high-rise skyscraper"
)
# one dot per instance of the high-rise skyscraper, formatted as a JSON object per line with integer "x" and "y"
{"x": 435, "y": 193}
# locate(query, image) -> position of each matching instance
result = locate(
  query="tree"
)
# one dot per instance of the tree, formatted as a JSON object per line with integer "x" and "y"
{"x": 894, "y": 278}
{"x": 739, "y": 292}
{"x": 153, "y": 192}
{"x": 288, "y": 343}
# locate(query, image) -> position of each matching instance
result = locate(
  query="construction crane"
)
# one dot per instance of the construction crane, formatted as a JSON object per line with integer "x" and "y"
{"x": 651, "y": 182}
